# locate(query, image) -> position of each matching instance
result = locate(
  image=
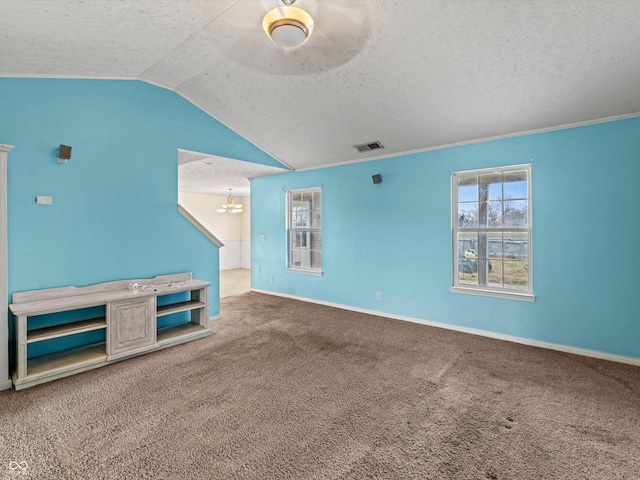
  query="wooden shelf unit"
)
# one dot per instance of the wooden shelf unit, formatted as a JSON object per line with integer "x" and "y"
{"x": 130, "y": 324}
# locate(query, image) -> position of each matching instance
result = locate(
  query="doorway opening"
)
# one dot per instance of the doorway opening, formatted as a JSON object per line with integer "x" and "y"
{"x": 205, "y": 183}
{"x": 235, "y": 281}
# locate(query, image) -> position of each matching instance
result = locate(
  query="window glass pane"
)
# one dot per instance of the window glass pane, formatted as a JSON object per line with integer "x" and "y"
{"x": 300, "y": 257}
{"x": 300, "y": 218}
{"x": 494, "y": 258}
{"x": 294, "y": 257}
{"x": 468, "y": 189}
{"x": 491, "y": 273}
{"x": 515, "y": 265}
{"x": 515, "y": 213}
{"x": 516, "y": 274}
{"x": 494, "y": 215}
{"x": 299, "y": 210}
{"x": 495, "y": 191}
{"x": 492, "y": 183}
{"x": 316, "y": 259}
{"x": 516, "y": 245}
{"x": 467, "y": 272}
{"x": 468, "y": 215}
{"x": 297, "y": 239}
{"x": 483, "y": 266}
{"x": 494, "y": 278}
{"x": 515, "y": 185}
{"x": 316, "y": 218}
{"x": 494, "y": 245}
{"x": 467, "y": 258}
{"x": 316, "y": 240}
{"x": 467, "y": 241}
{"x": 483, "y": 214}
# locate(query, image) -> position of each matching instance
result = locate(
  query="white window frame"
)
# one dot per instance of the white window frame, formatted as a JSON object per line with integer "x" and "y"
{"x": 487, "y": 290}
{"x": 290, "y": 229}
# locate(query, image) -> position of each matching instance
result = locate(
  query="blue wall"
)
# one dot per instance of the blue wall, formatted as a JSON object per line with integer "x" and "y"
{"x": 395, "y": 237}
{"x": 114, "y": 214}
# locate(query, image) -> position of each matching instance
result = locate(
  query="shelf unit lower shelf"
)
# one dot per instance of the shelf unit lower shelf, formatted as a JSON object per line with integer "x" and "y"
{"x": 183, "y": 332}
{"x": 69, "y": 362}
{"x": 61, "y": 364}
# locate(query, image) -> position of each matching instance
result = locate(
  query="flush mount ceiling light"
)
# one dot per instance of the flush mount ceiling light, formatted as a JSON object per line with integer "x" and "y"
{"x": 288, "y": 26}
{"x": 230, "y": 207}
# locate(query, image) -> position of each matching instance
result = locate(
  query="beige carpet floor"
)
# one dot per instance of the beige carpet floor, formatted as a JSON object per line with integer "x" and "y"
{"x": 289, "y": 390}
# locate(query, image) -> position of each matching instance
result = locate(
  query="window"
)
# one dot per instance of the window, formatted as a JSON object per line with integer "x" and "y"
{"x": 304, "y": 230}
{"x": 491, "y": 219}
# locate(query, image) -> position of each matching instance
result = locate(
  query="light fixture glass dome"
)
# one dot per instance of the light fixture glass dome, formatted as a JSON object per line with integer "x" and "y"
{"x": 288, "y": 26}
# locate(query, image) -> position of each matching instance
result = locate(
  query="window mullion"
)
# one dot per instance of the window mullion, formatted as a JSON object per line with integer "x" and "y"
{"x": 493, "y": 229}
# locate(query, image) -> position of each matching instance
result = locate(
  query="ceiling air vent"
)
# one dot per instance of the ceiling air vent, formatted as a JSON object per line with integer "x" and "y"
{"x": 365, "y": 147}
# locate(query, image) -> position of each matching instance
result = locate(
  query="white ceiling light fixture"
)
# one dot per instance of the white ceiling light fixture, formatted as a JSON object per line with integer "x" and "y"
{"x": 288, "y": 26}
{"x": 230, "y": 207}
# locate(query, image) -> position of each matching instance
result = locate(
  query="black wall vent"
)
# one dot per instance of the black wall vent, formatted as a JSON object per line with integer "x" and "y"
{"x": 365, "y": 147}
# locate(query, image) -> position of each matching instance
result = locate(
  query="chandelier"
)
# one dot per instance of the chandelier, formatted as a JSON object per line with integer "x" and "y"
{"x": 230, "y": 207}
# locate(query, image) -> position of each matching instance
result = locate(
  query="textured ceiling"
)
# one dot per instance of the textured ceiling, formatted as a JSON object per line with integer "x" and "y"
{"x": 411, "y": 74}
{"x": 213, "y": 175}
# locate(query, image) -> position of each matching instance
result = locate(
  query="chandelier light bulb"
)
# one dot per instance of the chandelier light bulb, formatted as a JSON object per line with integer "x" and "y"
{"x": 230, "y": 207}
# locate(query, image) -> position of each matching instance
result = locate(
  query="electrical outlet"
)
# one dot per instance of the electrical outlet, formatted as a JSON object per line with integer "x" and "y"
{"x": 271, "y": 279}
{"x": 378, "y": 295}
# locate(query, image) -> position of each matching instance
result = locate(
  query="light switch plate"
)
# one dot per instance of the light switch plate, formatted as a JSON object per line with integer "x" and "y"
{"x": 44, "y": 200}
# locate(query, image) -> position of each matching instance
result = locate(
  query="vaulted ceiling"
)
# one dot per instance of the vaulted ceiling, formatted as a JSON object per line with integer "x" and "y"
{"x": 413, "y": 74}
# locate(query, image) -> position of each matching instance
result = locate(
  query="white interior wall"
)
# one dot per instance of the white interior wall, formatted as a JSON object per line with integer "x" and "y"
{"x": 233, "y": 229}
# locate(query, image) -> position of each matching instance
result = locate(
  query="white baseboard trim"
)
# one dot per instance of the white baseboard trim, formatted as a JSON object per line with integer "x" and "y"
{"x": 6, "y": 385}
{"x": 473, "y": 331}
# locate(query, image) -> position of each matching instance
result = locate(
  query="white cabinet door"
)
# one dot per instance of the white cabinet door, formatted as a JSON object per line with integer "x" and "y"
{"x": 131, "y": 327}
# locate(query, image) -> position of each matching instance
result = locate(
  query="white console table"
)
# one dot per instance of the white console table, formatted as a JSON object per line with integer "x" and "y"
{"x": 129, "y": 312}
